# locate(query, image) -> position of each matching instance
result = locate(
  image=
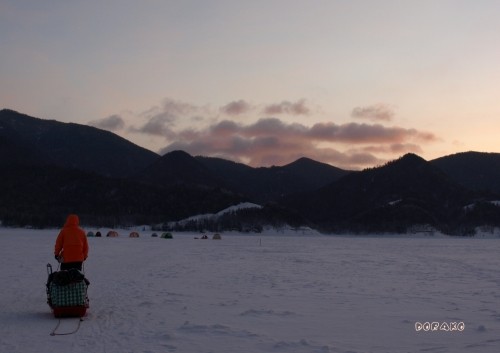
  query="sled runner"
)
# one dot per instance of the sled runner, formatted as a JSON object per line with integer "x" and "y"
{"x": 67, "y": 292}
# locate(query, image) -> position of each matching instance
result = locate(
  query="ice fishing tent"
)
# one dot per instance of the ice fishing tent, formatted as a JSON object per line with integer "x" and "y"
{"x": 90, "y": 234}
{"x": 167, "y": 235}
{"x": 134, "y": 235}
{"x": 216, "y": 236}
{"x": 112, "y": 234}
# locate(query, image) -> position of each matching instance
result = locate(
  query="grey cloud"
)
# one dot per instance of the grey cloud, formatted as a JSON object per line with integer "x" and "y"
{"x": 176, "y": 108}
{"x": 160, "y": 121}
{"x": 112, "y": 123}
{"x": 160, "y": 125}
{"x": 236, "y": 107}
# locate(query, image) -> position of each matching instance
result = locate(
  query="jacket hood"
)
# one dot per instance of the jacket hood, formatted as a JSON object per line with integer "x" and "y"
{"x": 72, "y": 220}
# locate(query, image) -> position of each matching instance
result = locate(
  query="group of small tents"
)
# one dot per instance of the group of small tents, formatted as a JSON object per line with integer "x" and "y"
{"x": 134, "y": 234}
{"x": 114, "y": 234}
{"x": 111, "y": 234}
{"x": 216, "y": 236}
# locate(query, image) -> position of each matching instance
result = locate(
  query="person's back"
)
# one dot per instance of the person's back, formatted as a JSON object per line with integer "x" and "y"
{"x": 71, "y": 247}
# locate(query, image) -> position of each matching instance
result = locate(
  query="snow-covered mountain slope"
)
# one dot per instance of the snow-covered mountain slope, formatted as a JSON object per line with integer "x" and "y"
{"x": 234, "y": 208}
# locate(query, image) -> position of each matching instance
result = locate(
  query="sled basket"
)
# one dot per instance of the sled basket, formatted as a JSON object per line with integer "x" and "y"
{"x": 67, "y": 299}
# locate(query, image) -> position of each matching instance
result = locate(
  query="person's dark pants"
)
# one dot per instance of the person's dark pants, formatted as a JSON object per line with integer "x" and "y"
{"x": 70, "y": 265}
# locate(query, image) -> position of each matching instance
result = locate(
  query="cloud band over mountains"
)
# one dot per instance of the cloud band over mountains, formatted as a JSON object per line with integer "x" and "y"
{"x": 271, "y": 141}
{"x": 275, "y": 141}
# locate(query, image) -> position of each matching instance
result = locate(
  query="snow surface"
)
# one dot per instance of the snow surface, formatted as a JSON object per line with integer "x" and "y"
{"x": 258, "y": 293}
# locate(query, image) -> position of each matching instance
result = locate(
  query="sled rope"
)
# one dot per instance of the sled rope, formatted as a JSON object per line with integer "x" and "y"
{"x": 55, "y": 333}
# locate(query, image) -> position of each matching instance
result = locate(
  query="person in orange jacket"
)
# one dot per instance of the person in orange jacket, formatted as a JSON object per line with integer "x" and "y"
{"x": 71, "y": 247}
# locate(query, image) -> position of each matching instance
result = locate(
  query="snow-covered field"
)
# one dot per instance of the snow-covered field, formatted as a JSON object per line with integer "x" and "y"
{"x": 250, "y": 294}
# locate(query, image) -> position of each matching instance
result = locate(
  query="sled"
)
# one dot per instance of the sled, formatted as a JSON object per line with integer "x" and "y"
{"x": 67, "y": 293}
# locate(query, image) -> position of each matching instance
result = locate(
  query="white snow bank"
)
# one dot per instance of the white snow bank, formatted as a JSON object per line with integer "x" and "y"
{"x": 472, "y": 205}
{"x": 234, "y": 208}
{"x": 240, "y": 206}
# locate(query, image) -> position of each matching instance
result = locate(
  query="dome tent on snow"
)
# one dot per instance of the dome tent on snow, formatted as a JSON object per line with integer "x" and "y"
{"x": 216, "y": 236}
{"x": 134, "y": 235}
{"x": 154, "y": 235}
{"x": 98, "y": 234}
{"x": 90, "y": 234}
{"x": 167, "y": 235}
{"x": 112, "y": 234}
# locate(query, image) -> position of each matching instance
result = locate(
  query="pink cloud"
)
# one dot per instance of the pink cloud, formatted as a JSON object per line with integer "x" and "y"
{"x": 286, "y": 107}
{"x": 366, "y": 133}
{"x": 377, "y": 112}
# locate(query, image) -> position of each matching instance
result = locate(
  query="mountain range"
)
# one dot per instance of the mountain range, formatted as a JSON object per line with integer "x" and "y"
{"x": 50, "y": 168}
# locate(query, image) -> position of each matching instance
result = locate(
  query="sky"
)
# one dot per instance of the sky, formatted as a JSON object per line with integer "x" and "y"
{"x": 263, "y": 82}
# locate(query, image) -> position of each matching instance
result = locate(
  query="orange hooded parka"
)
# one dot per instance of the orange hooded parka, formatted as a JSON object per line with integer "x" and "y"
{"x": 71, "y": 243}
